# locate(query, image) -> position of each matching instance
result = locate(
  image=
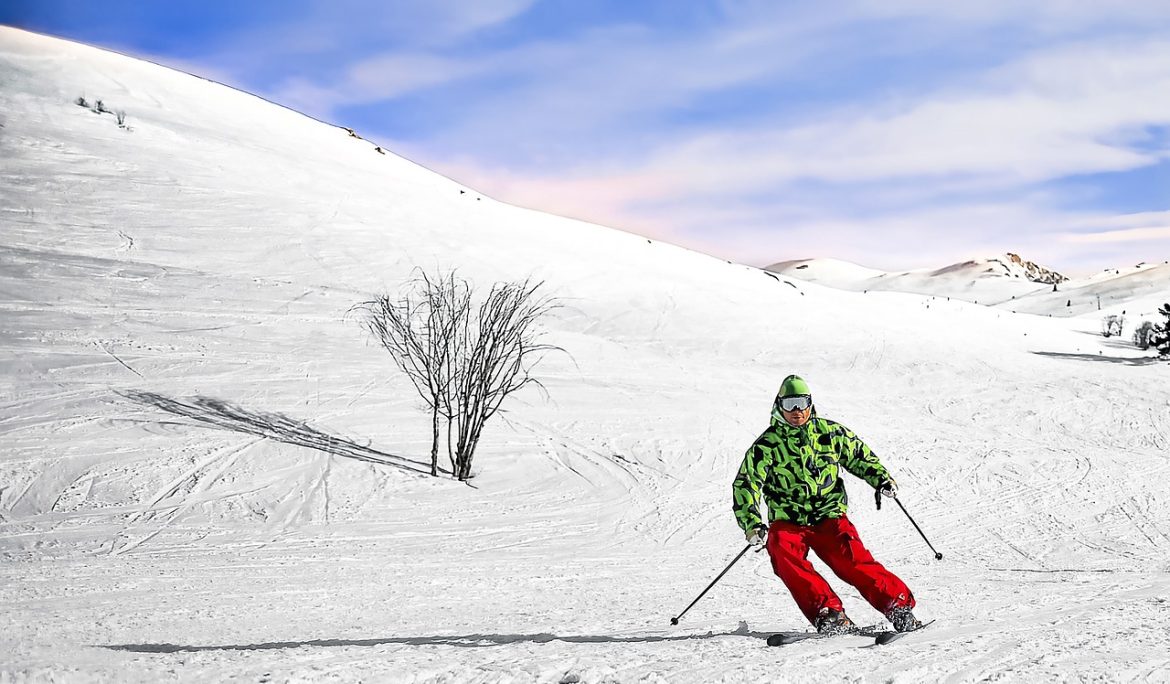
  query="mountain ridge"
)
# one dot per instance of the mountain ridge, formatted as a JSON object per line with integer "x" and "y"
{"x": 1008, "y": 281}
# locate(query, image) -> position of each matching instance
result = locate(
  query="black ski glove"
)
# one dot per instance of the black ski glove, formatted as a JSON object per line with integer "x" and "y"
{"x": 757, "y": 536}
{"x": 887, "y": 488}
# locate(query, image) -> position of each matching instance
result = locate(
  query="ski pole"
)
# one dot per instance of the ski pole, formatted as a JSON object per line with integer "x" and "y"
{"x": 674, "y": 620}
{"x": 937, "y": 555}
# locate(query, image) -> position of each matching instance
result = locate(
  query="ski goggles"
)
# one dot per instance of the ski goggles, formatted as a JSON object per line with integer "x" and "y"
{"x": 802, "y": 402}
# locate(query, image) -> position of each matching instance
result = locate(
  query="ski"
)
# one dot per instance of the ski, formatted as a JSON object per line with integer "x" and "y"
{"x": 883, "y": 638}
{"x": 880, "y": 636}
{"x": 786, "y": 638}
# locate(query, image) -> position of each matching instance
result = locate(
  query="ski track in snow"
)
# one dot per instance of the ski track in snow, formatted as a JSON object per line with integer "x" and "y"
{"x": 208, "y": 472}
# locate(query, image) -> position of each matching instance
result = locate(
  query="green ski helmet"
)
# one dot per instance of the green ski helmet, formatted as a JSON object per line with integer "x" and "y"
{"x": 793, "y": 386}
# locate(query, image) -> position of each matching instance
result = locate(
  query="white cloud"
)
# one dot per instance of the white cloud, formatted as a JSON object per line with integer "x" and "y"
{"x": 1147, "y": 234}
{"x": 1047, "y": 16}
{"x": 408, "y": 23}
{"x": 1148, "y": 226}
{"x": 601, "y": 76}
{"x": 376, "y": 79}
{"x": 1067, "y": 112}
{"x": 324, "y": 39}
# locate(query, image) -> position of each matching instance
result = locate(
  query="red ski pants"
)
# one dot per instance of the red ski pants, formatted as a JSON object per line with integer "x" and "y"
{"x": 837, "y": 543}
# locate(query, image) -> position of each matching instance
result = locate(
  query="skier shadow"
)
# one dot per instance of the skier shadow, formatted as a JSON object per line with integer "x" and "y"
{"x": 1129, "y": 361}
{"x": 466, "y": 641}
{"x": 275, "y": 426}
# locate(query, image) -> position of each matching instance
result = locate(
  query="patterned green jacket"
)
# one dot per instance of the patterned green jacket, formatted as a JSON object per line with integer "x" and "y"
{"x": 798, "y": 472}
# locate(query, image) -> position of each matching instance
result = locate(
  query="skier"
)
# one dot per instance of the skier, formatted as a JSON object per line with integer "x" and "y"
{"x": 796, "y": 466}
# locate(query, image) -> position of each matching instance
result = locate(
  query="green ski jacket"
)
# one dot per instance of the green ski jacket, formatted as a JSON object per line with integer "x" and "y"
{"x": 798, "y": 472}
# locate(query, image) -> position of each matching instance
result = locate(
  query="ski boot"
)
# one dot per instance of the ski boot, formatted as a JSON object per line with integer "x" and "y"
{"x": 902, "y": 618}
{"x": 831, "y": 621}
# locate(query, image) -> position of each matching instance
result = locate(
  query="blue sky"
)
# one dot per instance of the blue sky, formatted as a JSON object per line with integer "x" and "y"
{"x": 893, "y": 133}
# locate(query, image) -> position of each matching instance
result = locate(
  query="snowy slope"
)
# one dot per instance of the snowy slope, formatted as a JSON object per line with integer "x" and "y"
{"x": 1003, "y": 283}
{"x": 980, "y": 281}
{"x": 1137, "y": 292}
{"x": 208, "y": 472}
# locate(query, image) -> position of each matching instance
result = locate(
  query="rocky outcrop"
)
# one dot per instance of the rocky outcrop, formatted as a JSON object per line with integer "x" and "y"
{"x": 1033, "y": 271}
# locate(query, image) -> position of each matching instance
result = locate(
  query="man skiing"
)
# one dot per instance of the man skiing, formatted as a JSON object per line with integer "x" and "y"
{"x": 796, "y": 466}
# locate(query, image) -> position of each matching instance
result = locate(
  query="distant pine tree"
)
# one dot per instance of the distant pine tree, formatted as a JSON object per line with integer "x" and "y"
{"x": 1161, "y": 336}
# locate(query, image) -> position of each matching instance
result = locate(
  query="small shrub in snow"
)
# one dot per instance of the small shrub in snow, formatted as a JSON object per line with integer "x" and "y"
{"x": 99, "y": 107}
{"x": 1143, "y": 334}
{"x": 1112, "y": 325}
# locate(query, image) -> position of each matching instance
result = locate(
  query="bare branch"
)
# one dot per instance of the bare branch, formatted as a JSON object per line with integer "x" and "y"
{"x": 463, "y": 360}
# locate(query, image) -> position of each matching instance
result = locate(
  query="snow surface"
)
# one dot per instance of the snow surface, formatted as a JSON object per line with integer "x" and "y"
{"x": 208, "y": 472}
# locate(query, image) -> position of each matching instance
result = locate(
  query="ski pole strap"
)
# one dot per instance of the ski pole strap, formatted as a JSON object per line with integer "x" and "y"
{"x": 877, "y": 498}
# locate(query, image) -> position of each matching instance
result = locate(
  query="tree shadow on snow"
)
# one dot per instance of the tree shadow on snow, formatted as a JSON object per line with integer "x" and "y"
{"x": 1128, "y": 361}
{"x": 467, "y": 641}
{"x": 275, "y": 426}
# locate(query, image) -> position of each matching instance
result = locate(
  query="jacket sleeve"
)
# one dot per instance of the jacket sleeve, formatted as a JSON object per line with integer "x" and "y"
{"x": 858, "y": 459}
{"x": 745, "y": 490}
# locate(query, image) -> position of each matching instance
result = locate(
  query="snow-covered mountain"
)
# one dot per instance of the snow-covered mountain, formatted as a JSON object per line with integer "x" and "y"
{"x": 1008, "y": 282}
{"x": 1031, "y": 270}
{"x": 209, "y": 472}
{"x": 1135, "y": 292}
{"x": 1007, "y": 266}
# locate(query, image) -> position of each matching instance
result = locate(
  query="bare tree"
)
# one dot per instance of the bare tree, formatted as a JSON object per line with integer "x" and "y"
{"x": 498, "y": 352}
{"x": 462, "y": 361}
{"x": 421, "y": 330}
{"x": 1112, "y": 325}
